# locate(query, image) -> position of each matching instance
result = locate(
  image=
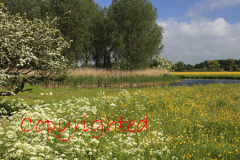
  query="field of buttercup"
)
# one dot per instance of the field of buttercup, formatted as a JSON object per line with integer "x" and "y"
{"x": 198, "y": 122}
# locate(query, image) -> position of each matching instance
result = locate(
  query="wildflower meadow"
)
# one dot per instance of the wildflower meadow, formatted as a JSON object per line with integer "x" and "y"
{"x": 197, "y": 122}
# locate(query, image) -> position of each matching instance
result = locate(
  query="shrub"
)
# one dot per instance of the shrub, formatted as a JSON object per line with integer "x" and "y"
{"x": 174, "y": 67}
{"x": 161, "y": 63}
{"x": 212, "y": 64}
{"x": 235, "y": 67}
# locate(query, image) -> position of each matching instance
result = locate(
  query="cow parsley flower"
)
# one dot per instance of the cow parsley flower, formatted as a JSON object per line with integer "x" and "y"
{"x": 113, "y": 105}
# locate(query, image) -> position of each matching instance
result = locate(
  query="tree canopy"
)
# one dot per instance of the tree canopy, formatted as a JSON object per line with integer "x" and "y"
{"x": 212, "y": 64}
{"x": 229, "y": 63}
{"x": 180, "y": 65}
{"x": 27, "y": 46}
{"x": 125, "y": 33}
{"x": 136, "y": 37}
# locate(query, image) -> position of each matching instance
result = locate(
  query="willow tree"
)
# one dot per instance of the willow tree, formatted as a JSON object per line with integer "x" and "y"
{"x": 29, "y": 46}
{"x": 77, "y": 22}
{"x": 136, "y": 36}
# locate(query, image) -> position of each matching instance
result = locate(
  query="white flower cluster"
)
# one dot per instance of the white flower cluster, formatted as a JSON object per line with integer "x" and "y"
{"x": 16, "y": 144}
{"x": 162, "y": 63}
{"x": 50, "y": 94}
{"x": 14, "y": 105}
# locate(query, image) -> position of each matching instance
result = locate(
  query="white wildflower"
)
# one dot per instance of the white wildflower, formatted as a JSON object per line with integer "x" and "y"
{"x": 113, "y": 105}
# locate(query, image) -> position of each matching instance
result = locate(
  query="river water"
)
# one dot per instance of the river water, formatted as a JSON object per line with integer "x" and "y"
{"x": 190, "y": 82}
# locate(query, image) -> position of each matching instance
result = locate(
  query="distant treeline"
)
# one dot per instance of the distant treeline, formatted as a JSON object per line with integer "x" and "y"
{"x": 221, "y": 62}
{"x": 227, "y": 65}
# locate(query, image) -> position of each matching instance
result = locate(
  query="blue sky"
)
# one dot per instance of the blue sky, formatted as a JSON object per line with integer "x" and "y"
{"x": 198, "y": 30}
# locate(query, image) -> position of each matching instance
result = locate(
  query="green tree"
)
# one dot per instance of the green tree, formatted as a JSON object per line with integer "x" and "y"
{"x": 174, "y": 67}
{"x": 235, "y": 67}
{"x": 229, "y": 64}
{"x": 136, "y": 37}
{"x": 212, "y": 64}
{"x": 27, "y": 46}
{"x": 198, "y": 66}
{"x": 180, "y": 65}
{"x": 32, "y": 8}
{"x": 75, "y": 21}
{"x": 102, "y": 40}
{"x": 189, "y": 66}
{"x": 77, "y": 18}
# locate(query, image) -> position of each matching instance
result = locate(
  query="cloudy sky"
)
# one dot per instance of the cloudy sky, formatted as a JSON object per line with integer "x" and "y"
{"x": 198, "y": 30}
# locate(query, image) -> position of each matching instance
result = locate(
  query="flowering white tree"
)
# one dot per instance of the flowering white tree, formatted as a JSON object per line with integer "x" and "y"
{"x": 161, "y": 63}
{"x": 29, "y": 46}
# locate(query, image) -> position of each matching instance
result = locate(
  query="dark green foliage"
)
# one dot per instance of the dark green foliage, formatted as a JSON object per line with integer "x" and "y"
{"x": 221, "y": 62}
{"x": 174, "y": 67}
{"x": 102, "y": 41}
{"x": 229, "y": 64}
{"x": 77, "y": 22}
{"x": 198, "y": 66}
{"x": 31, "y": 7}
{"x": 136, "y": 37}
{"x": 235, "y": 67}
{"x": 189, "y": 66}
{"x": 212, "y": 64}
{"x": 180, "y": 65}
{"x": 126, "y": 32}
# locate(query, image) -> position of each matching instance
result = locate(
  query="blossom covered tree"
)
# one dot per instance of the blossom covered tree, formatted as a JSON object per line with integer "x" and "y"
{"x": 29, "y": 46}
{"x": 161, "y": 63}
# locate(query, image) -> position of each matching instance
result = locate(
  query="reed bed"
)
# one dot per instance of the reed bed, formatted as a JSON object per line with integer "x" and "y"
{"x": 98, "y": 78}
{"x": 153, "y": 72}
{"x": 89, "y": 78}
{"x": 117, "y": 73}
{"x": 90, "y": 81}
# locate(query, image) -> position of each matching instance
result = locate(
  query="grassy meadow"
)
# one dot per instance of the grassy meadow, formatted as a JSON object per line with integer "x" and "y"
{"x": 188, "y": 122}
{"x": 207, "y": 75}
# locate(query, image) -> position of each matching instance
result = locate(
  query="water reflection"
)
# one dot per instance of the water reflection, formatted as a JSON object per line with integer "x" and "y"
{"x": 190, "y": 82}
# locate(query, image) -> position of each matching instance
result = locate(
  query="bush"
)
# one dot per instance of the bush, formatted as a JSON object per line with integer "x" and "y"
{"x": 212, "y": 64}
{"x": 161, "y": 63}
{"x": 235, "y": 67}
{"x": 174, "y": 67}
{"x": 180, "y": 65}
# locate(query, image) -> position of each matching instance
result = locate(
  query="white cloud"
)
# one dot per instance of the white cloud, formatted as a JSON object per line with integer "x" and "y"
{"x": 199, "y": 7}
{"x": 217, "y": 4}
{"x": 198, "y": 41}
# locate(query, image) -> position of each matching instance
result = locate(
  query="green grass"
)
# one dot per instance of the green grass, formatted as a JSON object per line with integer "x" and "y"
{"x": 62, "y": 93}
{"x": 111, "y": 81}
